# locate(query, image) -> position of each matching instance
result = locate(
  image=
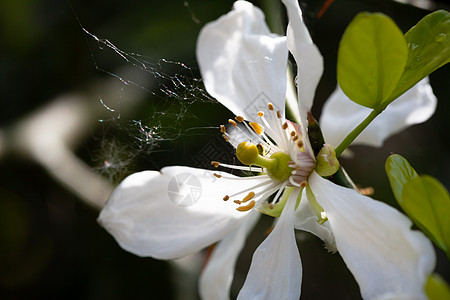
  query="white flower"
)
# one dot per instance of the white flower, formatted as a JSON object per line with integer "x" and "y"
{"x": 241, "y": 64}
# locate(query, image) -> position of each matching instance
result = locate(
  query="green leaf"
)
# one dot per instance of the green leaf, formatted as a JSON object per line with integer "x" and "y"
{"x": 428, "y": 47}
{"x": 428, "y": 201}
{"x": 399, "y": 172}
{"x": 371, "y": 59}
{"x": 436, "y": 288}
{"x": 423, "y": 199}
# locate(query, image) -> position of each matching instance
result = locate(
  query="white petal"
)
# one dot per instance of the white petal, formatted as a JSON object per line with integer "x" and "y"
{"x": 309, "y": 63}
{"x": 242, "y": 64}
{"x": 341, "y": 115}
{"x": 276, "y": 269}
{"x": 305, "y": 219}
{"x": 387, "y": 258}
{"x": 216, "y": 278}
{"x": 173, "y": 213}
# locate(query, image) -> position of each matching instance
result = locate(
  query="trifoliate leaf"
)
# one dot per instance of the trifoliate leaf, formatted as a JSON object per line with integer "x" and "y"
{"x": 428, "y": 47}
{"x": 371, "y": 59}
{"x": 423, "y": 199}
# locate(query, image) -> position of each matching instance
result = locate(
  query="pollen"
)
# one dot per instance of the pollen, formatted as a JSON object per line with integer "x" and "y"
{"x": 232, "y": 122}
{"x": 223, "y": 129}
{"x": 260, "y": 114}
{"x": 247, "y": 207}
{"x": 293, "y": 133}
{"x": 217, "y": 175}
{"x": 248, "y": 197}
{"x": 215, "y": 163}
{"x": 278, "y": 114}
{"x": 225, "y": 138}
{"x": 284, "y": 126}
{"x": 226, "y": 198}
{"x": 257, "y": 128}
{"x": 237, "y": 202}
{"x": 300, "y": 144}
{"x": 239, "y": 119}
{"x": 270, "y": 106}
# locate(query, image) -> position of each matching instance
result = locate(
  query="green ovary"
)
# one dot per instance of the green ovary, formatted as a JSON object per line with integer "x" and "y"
{"x": 277, "y": 165}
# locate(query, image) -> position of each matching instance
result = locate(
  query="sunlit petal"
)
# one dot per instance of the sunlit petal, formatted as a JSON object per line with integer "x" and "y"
{"x": 387, "y": 258}
{"x": 243, "y": 65}
{"x": 276, "y": 269}
{"x": 175, "y": 212}
{"x": 341, "y": 115}
{"x": 306, "y": 219}
{"x": 307, "y": 56}
{"x": 216, "y": 278}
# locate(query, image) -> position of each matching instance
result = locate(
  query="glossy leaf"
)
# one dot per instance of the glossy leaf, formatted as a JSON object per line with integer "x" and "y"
{"x": 423, "y": 198}
{"x": 399, "y": 172}
{"x": 428, "y": 47}
{"x": 436, "y": 288}
{"x": 429, "y": 202}
{"x": 371, "y": 59}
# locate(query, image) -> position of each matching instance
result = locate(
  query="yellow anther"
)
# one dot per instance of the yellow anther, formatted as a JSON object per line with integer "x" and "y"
{"x": 247, "y": 207}
{"x": 257, "y": 128}
{"x": 284, "y": 126}
{"x": 270, "y": 106}
{"x": 217, "y": 175}
{"x": 239, "y": 119}
{"x": 232, "y": 122}
{"x": 367, "y": 191}
{"x": 215, "y": 163}
{"x": 278, "y": 114}
{"x": 260, "y": 114}
{"x": 223, "y": 129}
{"x": 248, "y": 197}
{"x": 226, "y": 198}
{"x": 225, "y": 137}
{"x": 237, "y": 202}
{"x": 247, "y": 153}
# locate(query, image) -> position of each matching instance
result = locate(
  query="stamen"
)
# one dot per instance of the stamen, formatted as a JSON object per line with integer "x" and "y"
{"x": 223, "y": 129}
{"x": 238, "y": 202}
{"x": 303, "y": 184}
{"x": 284, "y": 126}
{"x": 239, "y": 119}
{"x": 260, "y": 114}
{"x": 293, "y": 133}
{"x": 278, "y": 114}
{"x": 247, "y": 207}
{"x": 300, "y": 144}
{"x": 215, "y": 163}
{"x": 247, "y": 168}
{"x": 248, "y": 197}
{"x": 368, "y": 191}
{"x": 232, "y": 122}
{"x": 270, "y": 106}
{"x": 217, "y": 175}
{"x": 225, "y": 137}
{"x": 257, "y": 128}
{"x": 295, "y": 138}
{"x": 271, "y": 205}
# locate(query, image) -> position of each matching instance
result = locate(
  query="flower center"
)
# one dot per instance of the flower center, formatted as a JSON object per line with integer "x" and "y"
{"x": 277, "y": 165}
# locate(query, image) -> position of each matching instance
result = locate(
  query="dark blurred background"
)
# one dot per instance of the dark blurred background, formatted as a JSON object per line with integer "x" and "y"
{"x": 108, "y": 88}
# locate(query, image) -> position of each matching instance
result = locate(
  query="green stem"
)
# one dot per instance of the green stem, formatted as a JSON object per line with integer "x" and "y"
{"x": 352, "y": 135}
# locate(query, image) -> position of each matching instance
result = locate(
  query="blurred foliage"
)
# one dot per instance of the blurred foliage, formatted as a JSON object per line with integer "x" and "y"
{"x": 50, "y": 243}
